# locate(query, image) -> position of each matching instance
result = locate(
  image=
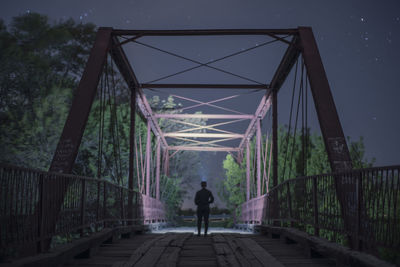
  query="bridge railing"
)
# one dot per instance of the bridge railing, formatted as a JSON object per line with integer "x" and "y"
{"x": 311, "y": 204}
{"x": 253, "y": 210}
{"x": 153, "y": 210}
{"x": 26, "y": 207}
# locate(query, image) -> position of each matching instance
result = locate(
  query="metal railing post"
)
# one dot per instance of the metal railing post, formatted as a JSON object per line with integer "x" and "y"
{"x": 83, "y": 206}
{"x": 104, "y": 204}
{"x": 40, "y": 247}
{"x": 289, "y": 199}
{"x": 315, "y": 205}
{"x": 358, "y": 244}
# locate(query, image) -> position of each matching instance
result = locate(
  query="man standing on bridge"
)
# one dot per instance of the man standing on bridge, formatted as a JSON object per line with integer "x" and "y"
{"x": 203, "y": 200}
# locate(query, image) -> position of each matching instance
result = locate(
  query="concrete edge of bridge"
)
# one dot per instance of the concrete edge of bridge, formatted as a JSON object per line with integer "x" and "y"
{"x": 314, "y": 246}
{"x": 84, "y": 247}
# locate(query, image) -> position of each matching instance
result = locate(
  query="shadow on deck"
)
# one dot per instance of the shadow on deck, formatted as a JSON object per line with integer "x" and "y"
{"x": 272, "y": 246}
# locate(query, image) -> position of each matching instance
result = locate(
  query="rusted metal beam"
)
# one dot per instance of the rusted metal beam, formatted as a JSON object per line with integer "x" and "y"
{"x": 204, "y": 86}
{"x": 70, "y": 140}
{"x": 126, "y": 70}
{"x": 204, "y": 135}
{"x": 286, "y": 64}
{"x": 204, "y": 148}
{"x": 204, "y": 116}
{"x": 206, "y": 32}
{"x": 331, "y": 129}
{"x": 332, "y": 132}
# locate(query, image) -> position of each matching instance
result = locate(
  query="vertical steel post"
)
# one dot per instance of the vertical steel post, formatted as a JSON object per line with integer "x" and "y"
{"x": 148, "y": 151}
{"x": 275, "y": 154}
{"x": 258, "y": 136}
{"x": 158, "y": 168}
{"x": 131, "y": 155}
{"x": 247, "y": 170}
{"x": 166, "y": 167}
{"x": 274, "y": 138}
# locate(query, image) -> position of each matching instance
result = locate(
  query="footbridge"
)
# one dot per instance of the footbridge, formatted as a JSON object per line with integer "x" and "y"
{"x": 347, "y": 217}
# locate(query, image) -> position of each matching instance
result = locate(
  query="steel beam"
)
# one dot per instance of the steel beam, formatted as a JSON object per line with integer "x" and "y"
{"x": 262, "y": 109}
{"x": 204, "y": 86}
{"x": 289, "y": 58}
{"x": 158, "y": 152}
{"x": 331, "y": 129}
{"x": 129, "y": 76}
{"x": 275, "y": 138}
{"x": 247, "y": 169}
{"x": 70, "y": 140}
{"x": 204, "y": 148}
{"x": 204, "y": 116}
{"x": 258, "y": 146}
{"x": 204, "y": 135}
{"x": 336, "y": 146}
{"x": 131, "y": 156}
{"x": 206, "y": 32}
{"x": 148, "y": 151}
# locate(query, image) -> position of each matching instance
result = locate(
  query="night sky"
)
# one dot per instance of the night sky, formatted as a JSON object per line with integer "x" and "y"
{"x": 358, "y": 41}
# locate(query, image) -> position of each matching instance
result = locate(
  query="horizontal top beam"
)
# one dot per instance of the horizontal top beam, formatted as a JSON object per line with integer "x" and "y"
{"x": 204, "y": 135}
{"x": 204, "y": 116}
{"x": 205, "y": 32}
{"x": 206, "y": 86}
{"x": 204, "y": 148}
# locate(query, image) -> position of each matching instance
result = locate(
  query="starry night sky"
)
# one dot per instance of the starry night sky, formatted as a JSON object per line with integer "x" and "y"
{"x": 358, "y": 41}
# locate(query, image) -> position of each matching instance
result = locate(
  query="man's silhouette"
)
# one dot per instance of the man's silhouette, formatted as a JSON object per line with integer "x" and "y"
{"x": 203, "y": 200}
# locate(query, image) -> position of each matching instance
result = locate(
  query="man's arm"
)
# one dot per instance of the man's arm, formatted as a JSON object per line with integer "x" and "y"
{"x": 211, "y": 198}
{"x": 197, "y": 199}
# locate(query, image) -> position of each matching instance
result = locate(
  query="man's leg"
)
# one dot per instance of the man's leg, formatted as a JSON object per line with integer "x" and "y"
{"x": 199, "y": 215}
{"x": 206, "y": 214}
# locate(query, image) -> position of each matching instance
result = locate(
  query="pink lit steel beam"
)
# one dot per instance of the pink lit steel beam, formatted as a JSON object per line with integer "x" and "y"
{"x": 262, "y": 109}
{"x": 124, "y": 67}
{"x": 247, "y": 170}
{"x": 148, "y": 151}
{"x": 204, "y": 116}
{"x": 204, "y": 135}
{"x": 210, "y": 102}
{"x": 146, "y": 110}
{"x": 158, "y": 168}
{"x": 204, "y": 148}
{"x": 207, "y": 104}
{"x": 204, "y": 86}
{"x": 258, "y": 144}
{"x": 199, "y": 127}
{"x": 204, "y": 142}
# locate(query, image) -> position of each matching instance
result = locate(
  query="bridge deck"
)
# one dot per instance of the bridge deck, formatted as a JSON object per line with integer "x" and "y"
{"x": 186, "y": 249}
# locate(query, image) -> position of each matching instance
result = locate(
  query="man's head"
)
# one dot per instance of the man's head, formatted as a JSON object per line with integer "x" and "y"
{"x": 203, "y": 184}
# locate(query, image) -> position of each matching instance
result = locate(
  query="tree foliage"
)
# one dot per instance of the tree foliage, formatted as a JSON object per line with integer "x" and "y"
{"x": 293, "y": 161}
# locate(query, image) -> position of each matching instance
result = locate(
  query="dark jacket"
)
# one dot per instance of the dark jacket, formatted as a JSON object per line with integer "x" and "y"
{"x": 203, "y": 198}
